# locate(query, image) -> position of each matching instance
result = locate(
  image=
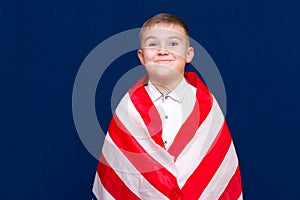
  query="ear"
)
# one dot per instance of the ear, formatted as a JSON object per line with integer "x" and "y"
{"x": 189, "y": 55}
{"x": 141, "y": 56}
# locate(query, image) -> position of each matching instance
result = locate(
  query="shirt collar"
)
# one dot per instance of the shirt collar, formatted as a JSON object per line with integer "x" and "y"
{"x": 177, "y": 94}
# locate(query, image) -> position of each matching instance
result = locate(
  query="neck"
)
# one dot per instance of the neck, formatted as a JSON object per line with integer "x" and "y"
{"x": 166, "y": 86}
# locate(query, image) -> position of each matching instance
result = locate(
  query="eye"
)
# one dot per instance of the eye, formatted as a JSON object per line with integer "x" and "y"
{"x": 173, "y": 44}
{"x": 152, "y": 44}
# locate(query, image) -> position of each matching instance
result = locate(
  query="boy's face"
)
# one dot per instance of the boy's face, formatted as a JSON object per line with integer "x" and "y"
{"x": 164, "y": 51}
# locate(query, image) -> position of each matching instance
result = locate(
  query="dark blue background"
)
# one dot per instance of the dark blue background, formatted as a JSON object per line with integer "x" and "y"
{"x": 43, "y": 43}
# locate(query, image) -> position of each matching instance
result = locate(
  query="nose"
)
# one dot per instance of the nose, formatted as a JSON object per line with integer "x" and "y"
{"x": 162, "y": 51}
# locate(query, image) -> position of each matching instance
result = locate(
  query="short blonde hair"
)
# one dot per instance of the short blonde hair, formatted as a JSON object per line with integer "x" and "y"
{"x": 166, "y": 19}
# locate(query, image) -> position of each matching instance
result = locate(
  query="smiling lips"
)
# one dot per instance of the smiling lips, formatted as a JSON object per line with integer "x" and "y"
{"x": 163, "y": 61}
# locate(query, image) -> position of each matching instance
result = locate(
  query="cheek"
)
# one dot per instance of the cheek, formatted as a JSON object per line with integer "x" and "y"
{"x": 148, "y": 56}
{"x": 179, "y": 53}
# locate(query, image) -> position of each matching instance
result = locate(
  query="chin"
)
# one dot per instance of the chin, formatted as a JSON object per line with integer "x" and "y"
{"x": 164, "y": 76}
{"x": 163, "y": 73}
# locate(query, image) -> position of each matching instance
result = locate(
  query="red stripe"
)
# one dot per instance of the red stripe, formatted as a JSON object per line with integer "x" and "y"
{"x": 200, "y": 111}
{"x": 234, "y": 187}
{"x": 112, "y": 183}
{"x": 130, "y": 147}
{"x": 204, "y": 98}
{"x": 199, "y": 180}
{"x": 150, "y": 169}
{"x": 144, "y": 105}
{"x": 186, "y": 133}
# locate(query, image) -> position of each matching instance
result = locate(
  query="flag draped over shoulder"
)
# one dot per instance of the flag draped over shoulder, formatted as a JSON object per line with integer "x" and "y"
{"x": 201, "y": 163}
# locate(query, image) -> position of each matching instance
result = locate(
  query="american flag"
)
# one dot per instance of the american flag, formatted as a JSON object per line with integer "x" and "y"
{"x": 201, "y": 163}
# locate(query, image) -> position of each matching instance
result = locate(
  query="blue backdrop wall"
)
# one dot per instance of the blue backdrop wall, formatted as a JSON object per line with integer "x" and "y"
{"x": 43, "y": 43}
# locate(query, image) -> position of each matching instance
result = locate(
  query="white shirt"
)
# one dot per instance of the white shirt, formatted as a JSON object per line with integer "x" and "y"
{"x": 174, "y": 107}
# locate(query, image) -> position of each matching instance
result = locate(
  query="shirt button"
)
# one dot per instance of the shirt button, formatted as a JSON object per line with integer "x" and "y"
{"x": 166, "y": 97}
{"x": 166, "y": 116}
{"x": 165, "y": 141}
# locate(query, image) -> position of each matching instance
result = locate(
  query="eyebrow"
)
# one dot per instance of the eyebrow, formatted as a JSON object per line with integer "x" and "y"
{"x": 172, "y": 37}
{"x": 150, "y": 37}
{"x": 175, "y": 37}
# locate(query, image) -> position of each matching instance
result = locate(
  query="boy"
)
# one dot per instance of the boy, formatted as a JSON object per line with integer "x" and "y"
{"x": 168, "y": 138}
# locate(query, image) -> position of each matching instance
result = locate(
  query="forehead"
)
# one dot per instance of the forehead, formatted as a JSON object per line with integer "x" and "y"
{"x": 162, "y": 30}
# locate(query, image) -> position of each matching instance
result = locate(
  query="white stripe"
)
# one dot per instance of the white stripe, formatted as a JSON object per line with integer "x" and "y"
{"x": 222, "y": 176}
{"x": 198, "y": 147}
{"x": 241, "y": 197}
{"x": 99, "y": 191}
{"x": 128, "y": 173}
{"x": 134, "y": 123}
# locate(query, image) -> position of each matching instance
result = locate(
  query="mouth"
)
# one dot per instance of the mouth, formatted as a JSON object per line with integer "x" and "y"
{"x": 163, "y": 61}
